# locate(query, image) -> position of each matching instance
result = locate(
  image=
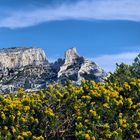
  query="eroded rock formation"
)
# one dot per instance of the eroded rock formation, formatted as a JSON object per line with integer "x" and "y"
{"x": 28, "y": 68}
{"x": 17, "y": 57}
{"x": 77, "y": 68}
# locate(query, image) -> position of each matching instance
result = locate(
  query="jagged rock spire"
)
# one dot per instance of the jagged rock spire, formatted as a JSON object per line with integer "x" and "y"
{"x": 70, "y": 55}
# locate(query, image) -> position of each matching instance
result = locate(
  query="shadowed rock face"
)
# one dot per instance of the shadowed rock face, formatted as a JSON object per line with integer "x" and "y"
{"x": 28, "y": 68}
{"x": 18, "y": 57}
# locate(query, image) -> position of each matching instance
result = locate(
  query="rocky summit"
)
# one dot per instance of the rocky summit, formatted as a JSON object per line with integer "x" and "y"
{"x": 30, "y": 69}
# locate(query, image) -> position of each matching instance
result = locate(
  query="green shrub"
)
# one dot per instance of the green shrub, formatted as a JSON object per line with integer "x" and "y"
{"x": 90, "y": 111}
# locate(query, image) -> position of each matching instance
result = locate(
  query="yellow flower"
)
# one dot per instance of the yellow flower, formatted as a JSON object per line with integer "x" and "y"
{"x": 25, "y": 134}
{"x": 78, "y": 113}
{"x": 29, "y": 133}
{"x": 87, "y": 137}
{"x": 36, "y": 121}
{"x": 115, "y": 94}
{"x": 86, "y": 121}
{"x": 120, "y": 103}
{"x": 120, "y": 121}
{"x": 23, "y": 120}
{"x": 107, "y": 98}
{"x": 132, "y": 136}
{"x": 133, "y": 83}
{"x": 13, "y": 129}
{"x": 139, "y": 115}
{"x": 93, "y": 83}
{"x": 83, "y": 97}
{"x": 80, "y": 125}
{"x": 37, "y": 138}
{"x": 121, "y": 97}
{"x": 12, "y": 117}
{"x": 40, "y": 138}
{"x": 124, "y": 120}
{"x": 119, "y": 130}
{"x": 134, "y": 106}
{"x": 5, "y": 128}
{"x": 83, "y": 81}
{"x": 79, "y": 118}
{"x": 106, "y": 105}
{"x": 26, "y": 108}
{"x": 93, "y": 113}
{"x": 49, "y": 111}
{"x": 120, "y": 115}
{"x": 88, "y": 131}
{"x": 87, "y": 97}
{"x": 34, "y": 138}
{"x": 126, "y": 86}
{"x": 99, "y": 117}
{"x": 93, "y": 103}
{"x": 3, "y": 116}
{"x": 31, "y": 119}
{"x": 20, "y": 137}
{"x": 59, "y": 94}
{"x": 135, "y": 125}
{"x": 106, "y": 126}
{"x": 93, "y": 138}
{"x": 124, "y": 125}
{"x": 108, "y": 135}
{"x": 18, "y": 113}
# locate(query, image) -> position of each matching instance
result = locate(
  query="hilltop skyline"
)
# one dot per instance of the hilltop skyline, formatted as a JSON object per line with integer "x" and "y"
{"x": 104, "y": 31}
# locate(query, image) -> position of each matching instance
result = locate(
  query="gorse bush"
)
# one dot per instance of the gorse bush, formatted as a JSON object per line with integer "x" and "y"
{"x": 108, "y": 111}
{"x": 89, "y": 111}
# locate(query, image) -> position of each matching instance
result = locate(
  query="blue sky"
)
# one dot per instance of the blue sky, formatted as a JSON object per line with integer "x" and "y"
{"x": 106, "y": 31}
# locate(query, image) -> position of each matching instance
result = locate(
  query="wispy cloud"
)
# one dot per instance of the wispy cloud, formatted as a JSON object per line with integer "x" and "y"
{"x": 108, "y": 62}
{"x": 83, "y": 10}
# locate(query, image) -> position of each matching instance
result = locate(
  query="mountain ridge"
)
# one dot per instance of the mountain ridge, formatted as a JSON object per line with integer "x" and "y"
{"x": 31, "y": 70}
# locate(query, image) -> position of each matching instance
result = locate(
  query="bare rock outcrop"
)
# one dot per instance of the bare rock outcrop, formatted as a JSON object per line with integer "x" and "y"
{"x": 76, "y": 68}
{"x": 28, "y": 68}
{"x": 18, "y": 57}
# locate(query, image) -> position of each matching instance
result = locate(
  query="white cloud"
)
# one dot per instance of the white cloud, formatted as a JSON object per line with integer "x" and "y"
{"x": 84, "y": 10}
{"x": 108, "y": 62}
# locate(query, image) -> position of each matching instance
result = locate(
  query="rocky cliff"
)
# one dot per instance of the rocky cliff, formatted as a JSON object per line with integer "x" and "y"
{"x": 28, "y": 68}
{"x": 76, "y": 68}
{"x": 17, "y": 57}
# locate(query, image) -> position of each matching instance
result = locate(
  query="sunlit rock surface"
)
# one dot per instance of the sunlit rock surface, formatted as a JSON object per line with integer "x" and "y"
{"x": 29, "y": 68}
{"x": 17, "y": 57}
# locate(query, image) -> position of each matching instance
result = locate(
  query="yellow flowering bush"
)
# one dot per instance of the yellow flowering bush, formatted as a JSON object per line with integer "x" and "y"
{"x": 90, "y": 111}
{"x": 112, "y": 111}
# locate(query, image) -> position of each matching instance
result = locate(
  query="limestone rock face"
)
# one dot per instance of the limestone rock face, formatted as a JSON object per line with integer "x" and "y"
{"x": 76, "y": 68}
{"x": 70, "y": 55}
{"x": 28, "y": 68}
{"x": 17, "y": 57}
{"x": 91, "y": 71}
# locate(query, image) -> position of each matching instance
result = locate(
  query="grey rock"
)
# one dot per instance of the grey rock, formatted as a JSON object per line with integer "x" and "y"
{"x": 31, "y": 70}
{"x": 76, "y": 68}
{"x": 17, "y": 57}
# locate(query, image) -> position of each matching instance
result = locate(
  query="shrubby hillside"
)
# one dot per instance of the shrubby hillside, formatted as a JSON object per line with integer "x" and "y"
{"x": 90, "y": 111}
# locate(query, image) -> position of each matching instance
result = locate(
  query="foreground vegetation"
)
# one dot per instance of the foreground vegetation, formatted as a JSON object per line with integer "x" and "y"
{"x": 102, "y": 111}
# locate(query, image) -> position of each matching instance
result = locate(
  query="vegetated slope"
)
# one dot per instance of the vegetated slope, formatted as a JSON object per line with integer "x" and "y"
{"x": 89, "y": 111}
